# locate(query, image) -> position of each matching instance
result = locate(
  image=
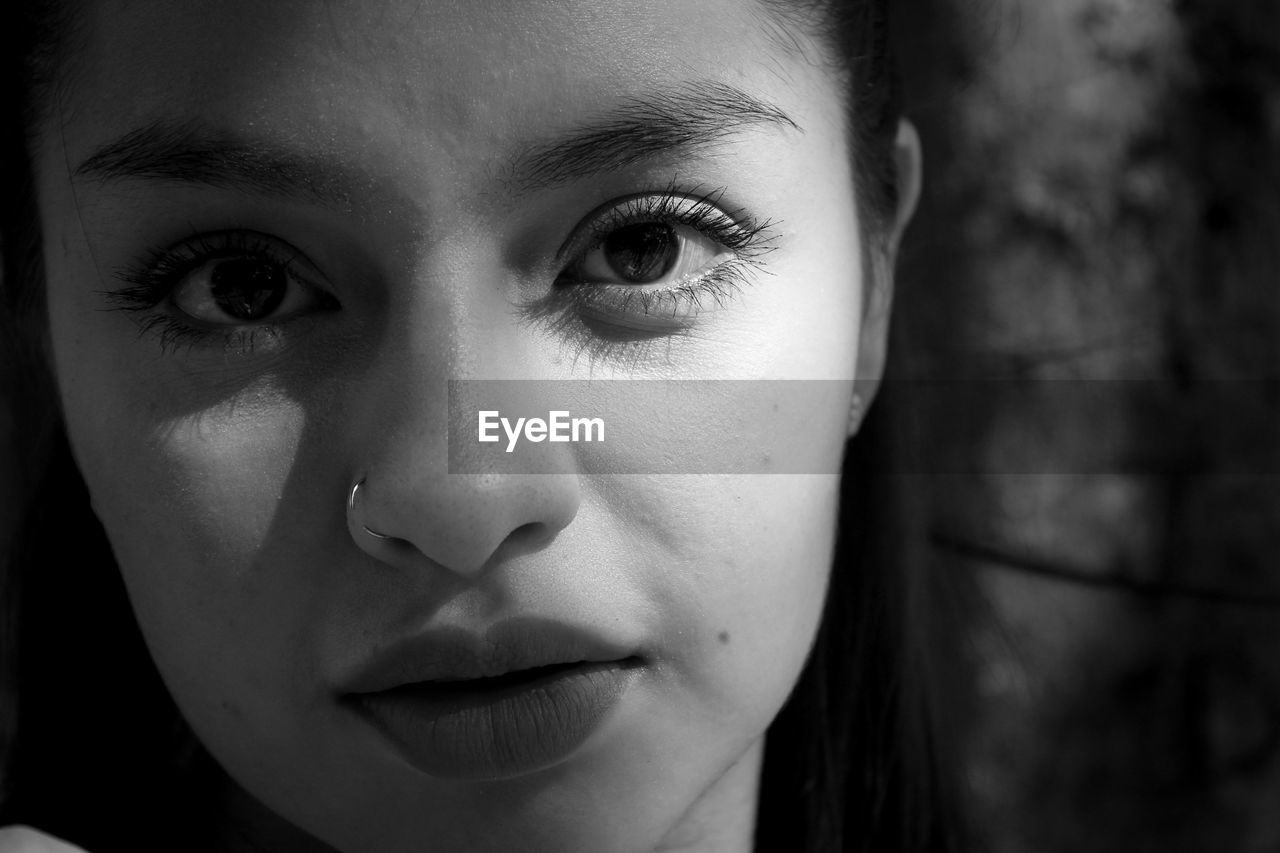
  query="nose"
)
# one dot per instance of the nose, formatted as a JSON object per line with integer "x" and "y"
{"x": 411, "y": 511}
{"x": 460, "y": 523}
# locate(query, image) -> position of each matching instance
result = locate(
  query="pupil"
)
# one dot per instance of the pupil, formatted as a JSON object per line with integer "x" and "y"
{"x": 248, "y": 288}
{"x": 642, "y": 253}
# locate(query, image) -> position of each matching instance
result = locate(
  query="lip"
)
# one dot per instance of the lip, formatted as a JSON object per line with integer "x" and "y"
{"x": 519, "y": 697}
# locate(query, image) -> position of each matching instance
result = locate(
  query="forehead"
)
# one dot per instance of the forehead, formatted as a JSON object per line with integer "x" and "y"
{"x": 461, "y": 78}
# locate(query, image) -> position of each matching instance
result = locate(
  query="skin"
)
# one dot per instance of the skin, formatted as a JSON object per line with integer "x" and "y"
{"x": 221, "y": 474}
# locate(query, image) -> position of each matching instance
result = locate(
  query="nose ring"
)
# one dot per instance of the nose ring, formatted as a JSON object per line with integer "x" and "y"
{"x": 351, "y": 503}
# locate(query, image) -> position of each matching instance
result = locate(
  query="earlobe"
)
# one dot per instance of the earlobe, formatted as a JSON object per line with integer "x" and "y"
{"x": 856, "y": 406}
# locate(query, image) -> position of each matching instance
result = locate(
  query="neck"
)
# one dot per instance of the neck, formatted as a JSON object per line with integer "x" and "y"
{"x": 723, "y": 818}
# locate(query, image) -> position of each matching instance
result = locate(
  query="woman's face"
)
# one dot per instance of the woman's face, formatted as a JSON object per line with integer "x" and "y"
{"x": 276, "y": 232}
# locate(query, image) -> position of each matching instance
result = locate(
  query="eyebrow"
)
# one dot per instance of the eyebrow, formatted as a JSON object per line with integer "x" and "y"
{"x": 190, "y": 152}
{"x": 642, "y": 127}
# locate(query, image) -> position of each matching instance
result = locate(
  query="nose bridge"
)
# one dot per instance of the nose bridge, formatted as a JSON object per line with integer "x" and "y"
{"x": 458, "y": 521}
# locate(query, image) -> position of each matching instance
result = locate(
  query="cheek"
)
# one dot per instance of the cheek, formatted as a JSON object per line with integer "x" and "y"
{"x": 187, "y": 506}
{"x": 738, "y": 565}
{"x": 188, "y": 463}
{"x": 177, "y": 458}
{"x": 188, "y": 501}
{"x": 749, "y": 597}
{"x": 769, "y": 578}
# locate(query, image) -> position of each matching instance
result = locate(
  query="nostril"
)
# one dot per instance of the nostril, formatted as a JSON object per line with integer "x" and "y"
{"x": 532, "y": 533}
{"x": 461, "y": 524}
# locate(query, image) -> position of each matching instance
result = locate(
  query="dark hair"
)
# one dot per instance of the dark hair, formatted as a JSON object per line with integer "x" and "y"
{"x": 128, "y": 775}
{"x": 855, "y": 760}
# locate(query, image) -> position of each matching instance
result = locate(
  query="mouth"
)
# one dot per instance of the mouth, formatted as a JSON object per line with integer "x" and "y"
{"x": 516, "y": 679}
{"x": 520, "y": 699}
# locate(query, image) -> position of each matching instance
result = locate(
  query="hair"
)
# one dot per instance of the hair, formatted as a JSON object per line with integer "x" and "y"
{"x": 856, "y": 760}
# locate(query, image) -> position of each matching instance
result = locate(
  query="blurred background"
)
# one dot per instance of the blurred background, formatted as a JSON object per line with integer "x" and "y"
{"x": 1088, "y": 300}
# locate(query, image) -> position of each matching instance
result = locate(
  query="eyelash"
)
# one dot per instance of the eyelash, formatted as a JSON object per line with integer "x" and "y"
{"x": 154, "y": 278}
{"x": 748, "y": 238}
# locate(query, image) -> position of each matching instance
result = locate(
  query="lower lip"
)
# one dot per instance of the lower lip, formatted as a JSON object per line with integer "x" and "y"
{"x": 452, "y": 731}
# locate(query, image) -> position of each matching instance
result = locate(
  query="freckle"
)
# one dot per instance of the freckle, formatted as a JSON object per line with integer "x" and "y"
{"x": 723, "y": 637}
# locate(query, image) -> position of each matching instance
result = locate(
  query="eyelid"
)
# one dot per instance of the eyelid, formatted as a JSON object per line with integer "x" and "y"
{"x": 152, "y": 282}
{"x": 607, "y": 319}
{"x": 232, "y": 242}
{"x": 593, "y": 227}
{"x": 159, "y": 272}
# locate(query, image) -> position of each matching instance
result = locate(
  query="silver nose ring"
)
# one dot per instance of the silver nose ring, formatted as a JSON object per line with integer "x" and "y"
{"x": 351, "y": 503}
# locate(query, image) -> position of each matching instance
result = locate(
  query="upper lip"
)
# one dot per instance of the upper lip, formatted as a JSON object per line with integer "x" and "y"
{"x": 454, "y": 654}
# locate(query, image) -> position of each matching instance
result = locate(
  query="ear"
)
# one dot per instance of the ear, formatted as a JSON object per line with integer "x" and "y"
{"x": 908, "y": 160}
{"x": 873, "y": 341}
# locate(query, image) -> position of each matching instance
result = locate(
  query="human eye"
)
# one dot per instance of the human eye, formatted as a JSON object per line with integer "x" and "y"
{"x": 649, "y": 264}
{"x": 234, "y": 288}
